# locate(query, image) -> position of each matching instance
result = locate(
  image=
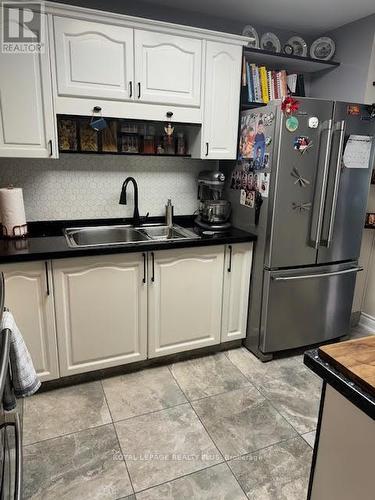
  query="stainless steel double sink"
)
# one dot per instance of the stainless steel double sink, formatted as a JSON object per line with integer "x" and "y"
{"x": 124, "y": 235}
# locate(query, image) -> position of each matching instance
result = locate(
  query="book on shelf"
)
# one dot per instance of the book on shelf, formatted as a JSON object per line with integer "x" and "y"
{"x": 264, "y": 85}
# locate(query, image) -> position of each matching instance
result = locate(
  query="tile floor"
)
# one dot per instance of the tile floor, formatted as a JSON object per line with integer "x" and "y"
{"x": 220, "y": 427}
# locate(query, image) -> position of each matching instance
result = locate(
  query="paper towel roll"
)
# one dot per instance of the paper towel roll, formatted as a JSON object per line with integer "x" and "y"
{"x": 12, "y": 212}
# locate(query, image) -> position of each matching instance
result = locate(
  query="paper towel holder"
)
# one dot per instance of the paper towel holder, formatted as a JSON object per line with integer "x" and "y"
{"x": 17, "y": 232}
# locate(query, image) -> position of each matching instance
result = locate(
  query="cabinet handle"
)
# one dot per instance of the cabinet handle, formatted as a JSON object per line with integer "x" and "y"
{"x": 130, "y": 89}
{"x": 139, "y": 90}
{"x": 144, "y": 268}
{"x": 153, "y": 266}
{"x": 47, "y": 277}
{"x": 206, "y": 148}
{"x": 230, "y": 258}
{"x": 50, "y": 147}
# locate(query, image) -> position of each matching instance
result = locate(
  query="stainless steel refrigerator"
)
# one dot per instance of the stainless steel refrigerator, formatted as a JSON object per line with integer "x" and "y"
{"x": 309, "y": 225}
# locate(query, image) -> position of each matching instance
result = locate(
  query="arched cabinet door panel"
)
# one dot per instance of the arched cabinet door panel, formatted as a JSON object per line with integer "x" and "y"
{"x": 185, "y": 299}
{"x": 29, "y": 296}
{"x": 222, "y": 97}
{"x": 93, "y": 59}
{"x": 101, "y": 311}
{"x": 167, "y": 68}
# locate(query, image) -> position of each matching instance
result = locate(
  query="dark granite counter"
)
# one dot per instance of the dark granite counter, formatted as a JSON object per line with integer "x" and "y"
{"x": 47, "y": 241}
{"x": 335, "y": 378}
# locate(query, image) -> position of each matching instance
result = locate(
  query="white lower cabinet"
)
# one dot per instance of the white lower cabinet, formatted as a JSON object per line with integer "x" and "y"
{"x": 101, "y": 311}
{"x": 29, "y": 296}
{"x": 88, "y": 313}
{"x": 184, "y": 299}
{"x": 238, "y": 260}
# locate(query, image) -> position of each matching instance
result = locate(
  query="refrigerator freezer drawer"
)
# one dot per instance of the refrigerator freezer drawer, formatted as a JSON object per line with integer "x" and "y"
{"x": 307, "y": 306}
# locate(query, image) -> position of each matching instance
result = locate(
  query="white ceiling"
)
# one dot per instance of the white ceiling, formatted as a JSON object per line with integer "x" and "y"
{"x": 304, "y": 16}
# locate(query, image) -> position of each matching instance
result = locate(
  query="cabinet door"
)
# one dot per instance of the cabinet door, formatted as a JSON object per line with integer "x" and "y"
{"x": 238, "y": 259}
{"x": 26, "y": 114}
{"x": 222, "y": 97}
{"x": 29, "y": 296}
{"x": 93, "y": 59}
{"x": 101, "y": 311}
{"x": 185, "y": 296}
{"x": 167, "y": 68}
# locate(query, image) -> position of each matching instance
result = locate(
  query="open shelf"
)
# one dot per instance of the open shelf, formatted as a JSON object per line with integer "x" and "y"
{"x": 251, "y": 105}
{"x": 279, "y": 60}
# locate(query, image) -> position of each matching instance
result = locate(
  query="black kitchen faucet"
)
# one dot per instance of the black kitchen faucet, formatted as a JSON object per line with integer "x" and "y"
{"x": 137, "y": 221}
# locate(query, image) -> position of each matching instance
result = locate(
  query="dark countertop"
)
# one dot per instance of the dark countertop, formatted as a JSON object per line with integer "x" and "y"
{"x": 335, "y": 378}
{"x": 46, "y": 240}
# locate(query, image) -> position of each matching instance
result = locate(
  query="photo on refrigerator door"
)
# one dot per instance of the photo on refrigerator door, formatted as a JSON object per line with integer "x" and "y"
{"x": 253, "y": 141}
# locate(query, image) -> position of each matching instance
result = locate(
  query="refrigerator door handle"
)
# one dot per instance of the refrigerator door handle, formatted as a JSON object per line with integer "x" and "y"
{"x": 327, "y": 157}
{"x": 341, "y": 126}
{"x": 320, "y": 275}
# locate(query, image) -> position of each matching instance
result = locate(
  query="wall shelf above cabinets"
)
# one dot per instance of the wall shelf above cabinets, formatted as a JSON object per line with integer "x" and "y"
{"x": 294, "y": 64}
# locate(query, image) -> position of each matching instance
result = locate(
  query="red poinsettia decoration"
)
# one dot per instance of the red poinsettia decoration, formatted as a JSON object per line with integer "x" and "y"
{"x": 289, "y": 105}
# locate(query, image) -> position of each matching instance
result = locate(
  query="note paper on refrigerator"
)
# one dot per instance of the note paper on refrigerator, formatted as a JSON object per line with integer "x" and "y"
{"x": 357, "y": 151}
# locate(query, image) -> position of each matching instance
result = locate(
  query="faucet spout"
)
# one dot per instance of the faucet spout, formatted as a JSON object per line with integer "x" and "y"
{"x": 123, "y": 199}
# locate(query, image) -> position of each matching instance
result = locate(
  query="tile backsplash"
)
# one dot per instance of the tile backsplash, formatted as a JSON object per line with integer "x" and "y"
{"x": 88, "y": 186}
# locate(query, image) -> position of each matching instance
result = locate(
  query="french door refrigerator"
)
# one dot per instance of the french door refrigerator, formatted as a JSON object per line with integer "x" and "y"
{"x": 309, "y": 225}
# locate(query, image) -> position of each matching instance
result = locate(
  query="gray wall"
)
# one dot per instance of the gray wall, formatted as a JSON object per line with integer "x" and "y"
{"x": 353, "y": 49}
{"x": 179, "y": 16}
{"x": 88, "y": 186}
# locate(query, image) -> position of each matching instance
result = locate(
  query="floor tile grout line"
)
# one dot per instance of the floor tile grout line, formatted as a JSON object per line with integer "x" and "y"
{"x": 118, "y": 440}
{"x": 270, "y": 402}
{"x": 150, "y": 412}
{"x": 180, "y": 477}
{"x": 192, "y": 407}
{"x": 67, "y": 434}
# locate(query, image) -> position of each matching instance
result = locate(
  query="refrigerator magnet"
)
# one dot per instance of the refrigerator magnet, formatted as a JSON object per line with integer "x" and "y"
{"x": 302, "y": 144}
{"x": 268, "y": 141}
{"x": 264, "y": 184}
{"x": 243, "y": 197}
{"x": 292, "y": 123}
{"x": 313, "y": 122}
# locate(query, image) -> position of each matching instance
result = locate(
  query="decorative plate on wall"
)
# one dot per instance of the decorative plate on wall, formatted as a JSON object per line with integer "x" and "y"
{"x": 299, "y": 46}
{"x": 250, "y": 32}
{"x": 323, "y": 48}
{"x": 270, "y": 41}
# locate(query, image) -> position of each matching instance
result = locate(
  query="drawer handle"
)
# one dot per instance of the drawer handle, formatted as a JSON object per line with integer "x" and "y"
{"x": 153, "y": 266}
{"x": 139, "y": 90}
{"x": 130, "y": 89}
{"x": 206, "y": 148}
{"x": 50, "y": 147}
{"x": 47, "y": 277}
{"x": 319, "y": 275}
{"x": 144, "y": 268}
{"x": 230, "y": 259}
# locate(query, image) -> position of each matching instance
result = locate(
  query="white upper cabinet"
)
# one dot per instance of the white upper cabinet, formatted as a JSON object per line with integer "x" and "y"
{"x": 93, "y": 59}
{"x": 26, "y": 113}
{"x": 222, "y": 96}
{"x": 167, "y": 68}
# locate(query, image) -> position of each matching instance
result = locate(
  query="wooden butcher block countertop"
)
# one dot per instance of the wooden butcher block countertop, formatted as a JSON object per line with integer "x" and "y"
{"x": 355, "y": 359}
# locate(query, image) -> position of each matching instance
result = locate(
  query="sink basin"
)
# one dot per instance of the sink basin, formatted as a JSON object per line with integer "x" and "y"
{"x": 167, "y": 233}
{"x": 103, "y": 235}
{"x": 123, "y": 235}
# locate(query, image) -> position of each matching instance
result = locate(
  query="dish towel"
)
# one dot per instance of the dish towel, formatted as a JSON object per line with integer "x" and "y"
{"x": 24, "y": 380}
